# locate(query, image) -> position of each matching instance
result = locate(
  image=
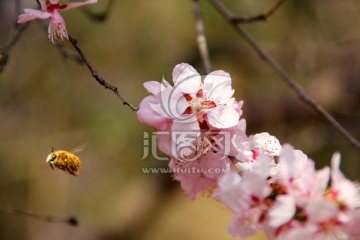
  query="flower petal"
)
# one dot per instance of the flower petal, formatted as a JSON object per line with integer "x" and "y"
{"x": 217, "y": 86}
{"x": 147, "y": 115}
{"x": 186, "y": 79}
{"x": 78, "y": 4}
{"x": 31, "y": 14}
{"x": 223, "y": 117}
{"x": 153, "y": 87}
{"x": 281, "y": 211}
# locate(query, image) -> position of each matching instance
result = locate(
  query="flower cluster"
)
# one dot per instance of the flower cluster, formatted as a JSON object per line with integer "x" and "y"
{"x": 200, "y": 116}
{"x": 267, "y": 186}
{"x": 294, "y": 204}
{"x": 50, "y": 9}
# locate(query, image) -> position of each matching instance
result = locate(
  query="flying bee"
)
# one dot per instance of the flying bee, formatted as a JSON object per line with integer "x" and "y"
{"x": 64, "y": 160}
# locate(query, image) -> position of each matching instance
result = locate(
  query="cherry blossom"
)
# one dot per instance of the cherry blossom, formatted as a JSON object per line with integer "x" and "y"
{"x": 192, "y": 104}
{"x": 194, "y": 112}
{"x": 295, "y": 203}
{"x": 248, "y": 149}
{"x": 50, "y": 9}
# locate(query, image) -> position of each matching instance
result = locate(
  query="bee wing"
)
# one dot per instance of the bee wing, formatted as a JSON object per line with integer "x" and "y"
{"x": 79, "y": 147}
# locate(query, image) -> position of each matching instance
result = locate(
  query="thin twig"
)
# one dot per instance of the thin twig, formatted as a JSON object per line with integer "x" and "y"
{"x": 98, "y": 16}
{"x": 68, "y": 220}
{"x": 259, "y": 17}
{"x": 283, "y": 75}
{"x": 98, "y": 78}
{"x": 201, "y": 38}
{"x": 64, "y": 51}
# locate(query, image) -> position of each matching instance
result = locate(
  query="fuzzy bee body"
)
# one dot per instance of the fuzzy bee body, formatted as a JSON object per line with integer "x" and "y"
{"x": 65, "y": 161}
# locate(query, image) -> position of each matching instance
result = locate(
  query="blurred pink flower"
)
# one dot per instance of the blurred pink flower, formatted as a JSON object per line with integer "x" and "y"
{"x": 295, "y": 203}
{"x": 50, "y": 9}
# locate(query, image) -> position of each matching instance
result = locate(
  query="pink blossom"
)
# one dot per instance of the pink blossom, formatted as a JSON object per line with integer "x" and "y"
{"x": 249, "y": 149}
{"x": 246, "y": 197}
{"x": 50, "y": 9}
{"x": 342, "y": 190}
{"x": 295, "y": 203}
{"x": 195, "y": 113}
{"x": 193, "y": 104}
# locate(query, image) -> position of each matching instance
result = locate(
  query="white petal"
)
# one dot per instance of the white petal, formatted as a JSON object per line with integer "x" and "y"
{"x": 217, "y": 86}
{"x": 186, "y": 79}
{"x": 153, "y": 87}
{"x": 223, "y": 117}
{"x": 281, "y": 211}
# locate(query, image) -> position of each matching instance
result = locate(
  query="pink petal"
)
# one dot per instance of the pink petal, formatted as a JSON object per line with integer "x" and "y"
{"x": 321, "y": 211}
{"x": 214, "y": 164}
{"x": 245, "y": 224}
{"x": 54, "y": 1}
{"x": 153, "y": 87}
{"x": 266, "y": 142}
{"x": 43, "y": 5}
{"x": 78, "y": 4}
{"x": 230, "y": 192}
{"x": 346, "y": 190}
{"x": 172, "y": 103}
{"x": 191, "y": 125}
{"x": 282, "y": 210}
{"x": 31, "y": 14}
{"x": 186, "y": 79}
{"x": 255, "y": 185}
{"x": 223, "y": 117}
{"x": 56, "y": 18}
{"x": 353, "y": 226}
{"x": 217, "y": 86}
{"x": 191, "y": 180}
{"x": 147, "y": 116}
{"x": 164, "y": 142}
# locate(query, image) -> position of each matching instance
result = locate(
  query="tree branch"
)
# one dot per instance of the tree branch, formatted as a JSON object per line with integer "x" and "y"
{"x": 68, "y": 220}
{"x": 300, "y": 92}
{"x": 98, "y": 78}
{"x": 201, "y": 38}
{"x": 259, "y": 17}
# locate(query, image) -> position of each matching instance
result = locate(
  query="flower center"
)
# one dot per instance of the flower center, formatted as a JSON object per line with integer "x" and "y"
{"x": 198, "y": 103}
{"x": 51, "y": 7}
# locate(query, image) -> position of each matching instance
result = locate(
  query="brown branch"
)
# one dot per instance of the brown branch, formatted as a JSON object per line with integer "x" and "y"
{"x": 72, "y": 221}
{"x": 300, "y": 92}
{"x": 201, "y": 38}
{"x": 64, "y": 51}
{"x": 98, "y": 78}
{"x": 259, "y": 17}
{"x": 98, "y": 16}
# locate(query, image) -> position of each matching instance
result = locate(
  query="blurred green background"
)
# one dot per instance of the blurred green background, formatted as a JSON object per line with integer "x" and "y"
{"x": 47, "y": 101}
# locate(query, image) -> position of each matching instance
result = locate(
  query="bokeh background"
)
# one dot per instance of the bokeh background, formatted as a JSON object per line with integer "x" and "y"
{"x": 48, "y": 101}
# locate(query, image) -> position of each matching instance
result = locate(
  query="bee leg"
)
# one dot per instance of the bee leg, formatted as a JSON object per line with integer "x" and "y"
{"x": 52, "y": 166}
